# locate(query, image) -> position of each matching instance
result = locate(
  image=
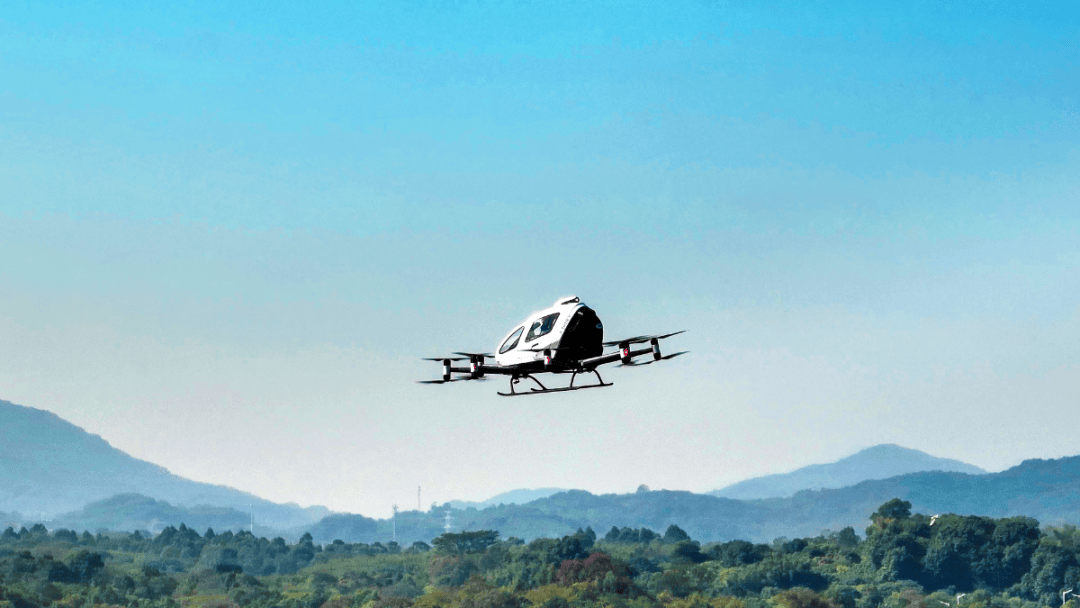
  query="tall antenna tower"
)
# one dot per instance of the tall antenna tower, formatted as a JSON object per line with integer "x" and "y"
{"x": 251, "y": 510}
{"x": 446, "y": 523}
{"x": 395, "y": 524}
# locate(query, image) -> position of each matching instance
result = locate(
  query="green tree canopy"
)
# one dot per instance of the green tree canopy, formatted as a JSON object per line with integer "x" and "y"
{"x": 461, "y": 543}
{"x": 894, "y": 509}
{"x": 674, "y": 534}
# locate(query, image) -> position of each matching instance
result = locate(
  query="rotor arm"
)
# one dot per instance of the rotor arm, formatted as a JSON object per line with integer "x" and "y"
{"x": 625, "y": 354}
{"x": 594, "y": 362}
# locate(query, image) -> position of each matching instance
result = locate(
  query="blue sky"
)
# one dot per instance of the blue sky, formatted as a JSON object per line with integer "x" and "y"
{"x": 226, "y": 235}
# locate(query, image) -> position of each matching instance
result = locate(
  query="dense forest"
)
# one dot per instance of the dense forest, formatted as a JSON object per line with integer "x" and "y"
{"x": 902, "y": 560}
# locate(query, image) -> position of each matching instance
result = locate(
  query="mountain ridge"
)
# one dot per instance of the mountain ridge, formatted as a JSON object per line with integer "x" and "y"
{"x": 41, "y": 455}
{"x": 1048, "y": 490}
{"x": 50, "y": 467}
{"x": 515, "y": 497}
{"x": 880, "y": 461}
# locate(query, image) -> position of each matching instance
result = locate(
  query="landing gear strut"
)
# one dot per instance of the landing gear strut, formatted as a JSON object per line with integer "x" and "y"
{"x": 543, "y": 389}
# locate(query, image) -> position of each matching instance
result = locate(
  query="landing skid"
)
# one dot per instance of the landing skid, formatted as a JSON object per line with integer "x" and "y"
{"x": 543, "y": 389}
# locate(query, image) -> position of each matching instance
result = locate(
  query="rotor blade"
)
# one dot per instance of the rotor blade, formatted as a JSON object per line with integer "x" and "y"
{"x": 640, "y": 339}
{"x": 444, "y": 359}
{"x": 674, "y": 333}
{"x": 458, "y": 379}
{"x": 632, "y": 363}
{"x": 664, "y": 358}
{"x": 634, "y": 340}
{"x": 488, "y": 355}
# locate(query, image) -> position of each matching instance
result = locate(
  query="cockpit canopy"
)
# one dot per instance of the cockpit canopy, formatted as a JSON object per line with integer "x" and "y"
{"x": 542, "y": 326}
{"x": 512, "y": 341}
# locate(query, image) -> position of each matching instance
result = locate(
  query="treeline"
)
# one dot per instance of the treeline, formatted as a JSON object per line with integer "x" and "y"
{"x": 904, "y": 560}
{"x": 177, "y": 550}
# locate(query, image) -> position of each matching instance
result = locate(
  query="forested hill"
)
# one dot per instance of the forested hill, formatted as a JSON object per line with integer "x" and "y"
{"x": 136, "y": 512}
{"x": 1048, "y": 490}
{"x": 877, "y": 462}
{"x": 49, "y": 466}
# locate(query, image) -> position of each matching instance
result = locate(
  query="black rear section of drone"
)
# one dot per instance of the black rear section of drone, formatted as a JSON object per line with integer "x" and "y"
{"x": 584, "y": 337}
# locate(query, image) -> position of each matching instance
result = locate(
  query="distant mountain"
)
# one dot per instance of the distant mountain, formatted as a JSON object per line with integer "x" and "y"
{"x": 513, "y": 497}
{"x": 49, "y": 467}
{"x": 878, "y": 462}
{"x": 1048, "y": 490}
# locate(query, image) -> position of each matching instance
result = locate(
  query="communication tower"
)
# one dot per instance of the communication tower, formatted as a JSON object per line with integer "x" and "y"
{"x": 394, "y": 520}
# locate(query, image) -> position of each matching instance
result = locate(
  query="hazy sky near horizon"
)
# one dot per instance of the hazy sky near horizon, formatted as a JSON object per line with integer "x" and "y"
{"x": 227, "y": 235}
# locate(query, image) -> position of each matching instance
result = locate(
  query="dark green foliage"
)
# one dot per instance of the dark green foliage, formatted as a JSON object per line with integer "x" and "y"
{"x": 894, "y": 509}
{"x": 801, "y": 597}
{"x": 979, "y": 552}
{"x": 965, "y": 553}
{"x": 81, "y": 568}
{"x": 630, "y": 535}
{"x": 452, "y": 571}
{"x": 903, "y": 560}
{"x": 738, "y": 553}
{"x": 642, "y": 565}
{"x": 898, "y": 554}
{"x": 896, "y": 542}
{"x": 556, "y": 602}
{"x": 687, "y": 551}
{"x": 66, "y": 535}
{"x": 846, "y": 538}
{"x": 778, "y": 571}
{"x": 597, "y": 568}
{"x": 675, "y": 534}
{"x": 794, "y": 545}
{"x": 575, "y": 546}
{"x": 463, "y": 543}
{"x": 1055, "y": 565}
{"x": 479, "y": 594}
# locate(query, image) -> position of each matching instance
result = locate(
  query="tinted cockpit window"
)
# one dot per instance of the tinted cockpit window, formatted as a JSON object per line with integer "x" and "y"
{"x": 512, "y": 341}
{"x": 541, "y": 327}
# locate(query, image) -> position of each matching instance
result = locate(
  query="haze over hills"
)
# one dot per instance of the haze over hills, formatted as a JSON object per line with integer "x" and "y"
{"x": 877, "y": 462}
{"x": 513, "y": 497}
{"x": 1048, "y": 490}
{"x": 138, "y": 512}
{"x": 49, "y": 467}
